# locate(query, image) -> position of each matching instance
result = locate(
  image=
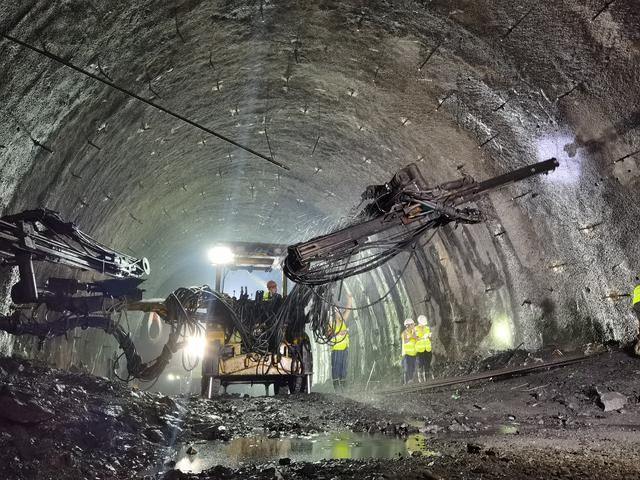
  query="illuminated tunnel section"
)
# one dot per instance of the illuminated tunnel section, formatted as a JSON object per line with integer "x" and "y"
{"x": 343, "y": 94}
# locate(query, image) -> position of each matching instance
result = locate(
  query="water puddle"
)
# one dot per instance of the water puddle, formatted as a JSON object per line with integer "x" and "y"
{"x": 261, "y": 449}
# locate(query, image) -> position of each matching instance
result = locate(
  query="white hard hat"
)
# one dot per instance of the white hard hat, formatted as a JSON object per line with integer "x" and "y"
{"x": 422, "y": 320}
{"x": 409, "y": 321}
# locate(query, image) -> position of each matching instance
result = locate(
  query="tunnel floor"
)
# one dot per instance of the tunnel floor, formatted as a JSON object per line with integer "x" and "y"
{"x": 578, "y": 421}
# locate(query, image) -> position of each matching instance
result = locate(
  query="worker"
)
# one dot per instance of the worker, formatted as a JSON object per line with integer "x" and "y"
{"x": 409, "y": 339}
{"x": 423, "y": 348}
{"x": 338, "y": 334}
{"x": 271, "y": 292}
{"x": 273, "y": 301}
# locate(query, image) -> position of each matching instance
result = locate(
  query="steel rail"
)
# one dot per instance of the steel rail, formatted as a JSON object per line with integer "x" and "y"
{"x": 503, "y": 372}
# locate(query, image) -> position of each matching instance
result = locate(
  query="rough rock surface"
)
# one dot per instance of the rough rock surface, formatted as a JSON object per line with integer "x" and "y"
{"x": 541, "y": 404}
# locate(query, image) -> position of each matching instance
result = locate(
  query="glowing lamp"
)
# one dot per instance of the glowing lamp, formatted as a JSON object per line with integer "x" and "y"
{"x": 220, "y": 255}
{"x": 195, "y": 346}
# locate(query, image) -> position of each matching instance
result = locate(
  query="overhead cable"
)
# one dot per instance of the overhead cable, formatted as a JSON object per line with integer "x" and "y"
{"x": 111, "y": 84}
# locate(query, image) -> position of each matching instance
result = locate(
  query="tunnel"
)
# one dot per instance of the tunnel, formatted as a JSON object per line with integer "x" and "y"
{"x": 161, "y": 129}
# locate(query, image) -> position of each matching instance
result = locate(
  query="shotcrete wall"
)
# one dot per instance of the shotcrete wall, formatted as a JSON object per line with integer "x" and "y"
{"x": 346, "y": 93}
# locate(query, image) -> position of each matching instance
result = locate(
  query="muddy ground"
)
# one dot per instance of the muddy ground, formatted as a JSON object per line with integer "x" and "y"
{"x": 548, "y": 424}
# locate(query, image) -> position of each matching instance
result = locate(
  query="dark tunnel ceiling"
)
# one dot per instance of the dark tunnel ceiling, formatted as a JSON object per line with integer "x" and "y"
{"x": 347, "y": 92}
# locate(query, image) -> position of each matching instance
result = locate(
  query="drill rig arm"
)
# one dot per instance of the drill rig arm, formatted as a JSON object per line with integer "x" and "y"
{"x": 95, "y": 311}
{"x": 42, "y": 235}
{"x": 136, "y": 368}
{"x": 399, "y": 212}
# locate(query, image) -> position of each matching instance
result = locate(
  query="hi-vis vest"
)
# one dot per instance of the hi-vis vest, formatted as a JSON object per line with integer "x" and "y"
{"x": 408, "y": 343}
{"x": 341, "y": 337}
{"x": 636, "y": 295}
{"x": 423, "y": 332}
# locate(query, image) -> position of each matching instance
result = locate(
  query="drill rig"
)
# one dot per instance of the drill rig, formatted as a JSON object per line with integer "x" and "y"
{"x": 42, "y": 235}
{"x": 247, "y": 340}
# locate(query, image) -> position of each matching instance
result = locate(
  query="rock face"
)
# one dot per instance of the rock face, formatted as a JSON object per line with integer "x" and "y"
{"x": 345, "y": 95}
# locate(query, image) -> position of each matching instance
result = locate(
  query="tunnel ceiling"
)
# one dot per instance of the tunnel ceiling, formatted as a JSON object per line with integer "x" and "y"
{"x": 342, "y": 93}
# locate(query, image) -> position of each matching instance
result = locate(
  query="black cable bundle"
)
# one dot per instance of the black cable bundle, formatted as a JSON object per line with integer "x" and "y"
{"x": 394, "y": 218}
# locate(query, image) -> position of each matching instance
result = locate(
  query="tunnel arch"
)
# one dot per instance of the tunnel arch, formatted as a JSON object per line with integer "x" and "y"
{"x": 346, "y": 92}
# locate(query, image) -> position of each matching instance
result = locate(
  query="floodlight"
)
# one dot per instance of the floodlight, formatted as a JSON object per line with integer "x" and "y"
{"x": 195, "y": 346}
{"x": 220, "y": 255}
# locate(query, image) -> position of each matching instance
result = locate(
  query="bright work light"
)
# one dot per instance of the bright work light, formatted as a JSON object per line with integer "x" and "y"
{"x": 196, "y": 345}
{"x": 220, "y": 255}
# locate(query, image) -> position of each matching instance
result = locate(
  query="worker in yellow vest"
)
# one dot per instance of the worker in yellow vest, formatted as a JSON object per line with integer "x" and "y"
{"x": 423, "y": 348}
{"x": 271, "y": 293}
{"x": 409, "y": 340}
{"x": 338, "y": 333}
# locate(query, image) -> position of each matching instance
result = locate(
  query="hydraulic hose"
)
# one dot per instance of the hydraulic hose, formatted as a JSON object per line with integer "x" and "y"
{"x": 136, "y": 368}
